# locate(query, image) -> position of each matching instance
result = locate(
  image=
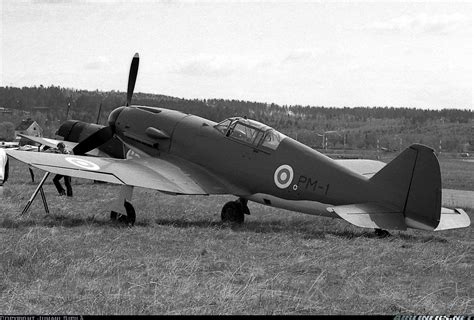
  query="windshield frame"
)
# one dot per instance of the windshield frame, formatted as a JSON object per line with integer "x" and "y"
{"x": 258, "y": 137}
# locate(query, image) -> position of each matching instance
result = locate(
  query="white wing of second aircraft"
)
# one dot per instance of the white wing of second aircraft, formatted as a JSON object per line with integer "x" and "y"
{"x": 52, "y": 143}
{"x": 364, "y": 167}
{"x": 170, "y": 176}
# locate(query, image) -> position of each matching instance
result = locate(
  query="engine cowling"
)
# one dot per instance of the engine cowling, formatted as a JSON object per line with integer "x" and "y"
{"x": 76, "y": 131}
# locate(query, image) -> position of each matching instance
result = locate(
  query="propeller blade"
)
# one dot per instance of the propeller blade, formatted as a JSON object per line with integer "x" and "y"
{"x": 98, "y": 113}
{"x": 93, "y": 141}
{"x": 132, "y": 77}
{"x": 103, "y": 135}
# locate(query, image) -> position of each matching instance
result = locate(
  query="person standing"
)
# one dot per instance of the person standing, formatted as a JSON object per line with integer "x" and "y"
{"x": 4, "y": 167}
{"x": 61, "y": 148}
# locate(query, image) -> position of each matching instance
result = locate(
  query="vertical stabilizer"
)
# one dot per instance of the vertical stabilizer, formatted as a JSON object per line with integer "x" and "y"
{"x": 412, "y": 183}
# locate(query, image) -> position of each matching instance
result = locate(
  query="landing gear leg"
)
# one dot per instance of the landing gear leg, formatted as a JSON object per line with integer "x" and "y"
{"x": 128, "y": 219}
{"x": 122, "y": 209}
{"x": 39, "y": 188}
{"x": 243, "y": 203}
{"x": 234, "y": 211}
{"x": 382, "y": 233}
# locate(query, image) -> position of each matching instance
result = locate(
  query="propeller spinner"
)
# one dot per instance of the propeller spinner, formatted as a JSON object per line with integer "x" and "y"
{"x": 103, "y": 135}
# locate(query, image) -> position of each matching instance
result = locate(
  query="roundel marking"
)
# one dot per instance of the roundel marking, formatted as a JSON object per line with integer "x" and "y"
{"x": 283, "y": 176}
{"x": 81, "y": 163}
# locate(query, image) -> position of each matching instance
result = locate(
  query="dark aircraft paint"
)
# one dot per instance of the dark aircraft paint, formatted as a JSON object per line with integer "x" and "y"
{"x": 198, "y": 141}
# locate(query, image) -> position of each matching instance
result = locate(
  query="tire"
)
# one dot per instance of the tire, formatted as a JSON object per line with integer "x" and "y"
{"x": 232, "y": 212}
{"x": 130, "y": 213}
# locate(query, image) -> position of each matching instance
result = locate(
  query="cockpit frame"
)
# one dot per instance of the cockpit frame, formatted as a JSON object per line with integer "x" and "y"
{"x": 251, "y": 133}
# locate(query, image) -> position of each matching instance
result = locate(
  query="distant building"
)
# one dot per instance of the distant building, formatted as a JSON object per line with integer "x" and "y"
{"x": 29, "y": 127}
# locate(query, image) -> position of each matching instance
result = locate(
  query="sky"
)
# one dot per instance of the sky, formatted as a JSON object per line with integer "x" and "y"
{"x": 318, "y": 53}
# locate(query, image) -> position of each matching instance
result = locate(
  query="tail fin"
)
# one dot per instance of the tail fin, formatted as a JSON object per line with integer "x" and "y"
{"x": 412, "y": 183}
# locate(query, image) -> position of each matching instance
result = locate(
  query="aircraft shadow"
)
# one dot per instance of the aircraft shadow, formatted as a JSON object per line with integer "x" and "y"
{"x": 55, "y": 221}
{"x": 276, "y": 226}
{"x": 263, "y": 227}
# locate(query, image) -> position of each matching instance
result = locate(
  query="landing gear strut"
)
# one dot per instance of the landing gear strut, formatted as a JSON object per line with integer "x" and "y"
{"x": 122, "y": 210}
{"x": 39, "y": 189}
{"x": 234, "y": 211}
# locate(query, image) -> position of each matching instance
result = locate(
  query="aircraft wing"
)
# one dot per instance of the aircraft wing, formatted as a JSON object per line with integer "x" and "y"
{"x": 52, "y": 143}
{"x": 153, "y": 173}
{"x": 364, "y": 167}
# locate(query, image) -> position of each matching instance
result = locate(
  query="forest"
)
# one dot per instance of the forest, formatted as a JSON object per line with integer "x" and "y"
{"x": 364, "y": 127}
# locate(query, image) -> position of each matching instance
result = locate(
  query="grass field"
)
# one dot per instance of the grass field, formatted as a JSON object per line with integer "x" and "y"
{"x": 180, "y": 259}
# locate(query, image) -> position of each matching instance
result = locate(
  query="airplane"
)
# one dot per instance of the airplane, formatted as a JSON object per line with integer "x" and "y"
{"x": 74, "y": 131}
{"x": 183, "y": 154}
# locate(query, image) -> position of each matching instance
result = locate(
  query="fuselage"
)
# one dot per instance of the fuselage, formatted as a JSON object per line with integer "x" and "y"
{"x": 268, "y": 167}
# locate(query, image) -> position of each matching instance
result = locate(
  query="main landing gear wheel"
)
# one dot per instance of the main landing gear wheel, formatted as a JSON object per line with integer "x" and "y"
{"x": 232, "y": 212}
{"x": 130, "y": 213}
{"x": 382, "y": 233}
{"x": 128, "y": 219}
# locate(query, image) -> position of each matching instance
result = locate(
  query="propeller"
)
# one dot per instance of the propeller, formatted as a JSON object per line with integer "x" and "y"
{"x": 93, "y": 141}
{"x": 132, "y": 77}
{"x": 103, "y": 135}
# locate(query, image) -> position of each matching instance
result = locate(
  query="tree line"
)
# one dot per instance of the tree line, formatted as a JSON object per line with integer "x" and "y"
{"x": 361, "y": 127}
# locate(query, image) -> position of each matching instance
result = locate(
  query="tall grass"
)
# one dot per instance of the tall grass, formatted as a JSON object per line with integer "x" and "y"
{"x": 180, "y": 259}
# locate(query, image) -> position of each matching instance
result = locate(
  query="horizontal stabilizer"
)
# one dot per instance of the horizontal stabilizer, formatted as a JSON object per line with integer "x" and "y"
{"x": 453, "y": 219}
{"x": 371, "y": 215}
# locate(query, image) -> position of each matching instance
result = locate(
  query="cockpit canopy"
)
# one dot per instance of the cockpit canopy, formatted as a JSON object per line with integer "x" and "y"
{"x": 250, "y": 132}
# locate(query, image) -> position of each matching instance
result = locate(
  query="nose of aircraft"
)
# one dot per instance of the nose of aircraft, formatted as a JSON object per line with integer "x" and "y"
{"x": 113, "y": 116}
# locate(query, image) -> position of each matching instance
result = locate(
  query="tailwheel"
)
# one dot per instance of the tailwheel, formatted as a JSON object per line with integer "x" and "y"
{"x": 382, "y": 233}
{"x": 232, "y": 212}
{"x": 113, "y": 215}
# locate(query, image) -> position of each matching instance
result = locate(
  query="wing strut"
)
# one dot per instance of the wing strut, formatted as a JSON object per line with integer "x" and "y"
{"x": 39, "y": 188}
